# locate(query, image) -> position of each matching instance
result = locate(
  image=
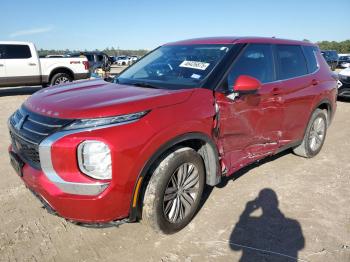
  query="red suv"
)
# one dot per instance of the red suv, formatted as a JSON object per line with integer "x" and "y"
{"x": 185, "y": 115}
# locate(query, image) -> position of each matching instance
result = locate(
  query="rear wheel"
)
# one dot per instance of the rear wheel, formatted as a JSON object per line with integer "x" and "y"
{"x": 314, "y": 136}
{"x": 60, "y": 78}
{"x": 174, "y": 191}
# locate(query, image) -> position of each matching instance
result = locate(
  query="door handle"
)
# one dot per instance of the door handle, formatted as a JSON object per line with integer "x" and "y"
{"x": 32, "y": 64}
{"x": 314, "y": 82}
{"x": 1, "y": 65}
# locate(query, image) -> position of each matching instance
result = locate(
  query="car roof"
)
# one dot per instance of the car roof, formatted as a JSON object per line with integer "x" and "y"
{"x": 14, "y": 43}
{"x": 236, "y": 40}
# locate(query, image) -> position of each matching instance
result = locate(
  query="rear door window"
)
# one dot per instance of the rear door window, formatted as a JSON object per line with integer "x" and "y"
{"x": 311, "y": 58}
{"x": 17, "y": 52}
{"x": 291, "y": 61}
{"x": 256, "y": 61}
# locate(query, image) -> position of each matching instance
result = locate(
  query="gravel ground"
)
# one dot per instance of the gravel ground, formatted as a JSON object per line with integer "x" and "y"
{"x": 284, "y": 208}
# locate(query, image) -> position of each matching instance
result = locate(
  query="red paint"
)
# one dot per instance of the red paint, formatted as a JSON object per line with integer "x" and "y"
{"x": 250, "y": 127}
{"x": 246, "y": 84}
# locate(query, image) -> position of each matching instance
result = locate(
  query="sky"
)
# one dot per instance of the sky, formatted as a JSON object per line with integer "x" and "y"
{"x": 137, "y": 24}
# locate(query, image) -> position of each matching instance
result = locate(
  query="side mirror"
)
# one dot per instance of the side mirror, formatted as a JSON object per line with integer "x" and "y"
{"x": 246, "y": 85}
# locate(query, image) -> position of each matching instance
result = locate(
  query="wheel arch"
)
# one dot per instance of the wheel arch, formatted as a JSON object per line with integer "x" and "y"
{"x": 325, "y": 104}
{"x": 200, "y": 142}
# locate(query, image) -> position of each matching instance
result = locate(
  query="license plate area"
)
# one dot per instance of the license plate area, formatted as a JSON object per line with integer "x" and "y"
{"x": 16, "y": 163}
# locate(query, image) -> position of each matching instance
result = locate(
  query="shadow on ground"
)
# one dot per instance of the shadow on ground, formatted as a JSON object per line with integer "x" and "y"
{"x": 267, "y": 237}
{"x": 16, "y": 91}
{"x": 263, "y": 233}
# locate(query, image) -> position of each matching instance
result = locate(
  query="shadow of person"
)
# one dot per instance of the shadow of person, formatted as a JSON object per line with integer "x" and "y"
{"x": 268, "y": 237}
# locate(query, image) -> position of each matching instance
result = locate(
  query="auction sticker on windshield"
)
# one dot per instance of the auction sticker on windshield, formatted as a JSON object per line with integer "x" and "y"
{"x": 194, "y": 64}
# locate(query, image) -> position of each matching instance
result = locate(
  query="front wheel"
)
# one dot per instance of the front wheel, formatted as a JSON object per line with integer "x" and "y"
{"x": 174, "y": 191}
{"x": 315, "y": 135}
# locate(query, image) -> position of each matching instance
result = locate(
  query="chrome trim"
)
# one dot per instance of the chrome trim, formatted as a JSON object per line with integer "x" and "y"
{"x": 14, "y": 131}
{"x": 75, "y": 188}
{"x": 90, "y": 189}
{"x": 35, "y": 132}
{"x": 43, "y": 124}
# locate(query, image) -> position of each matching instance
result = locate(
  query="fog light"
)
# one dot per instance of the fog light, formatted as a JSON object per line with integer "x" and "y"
{"x": 94, "y": 159}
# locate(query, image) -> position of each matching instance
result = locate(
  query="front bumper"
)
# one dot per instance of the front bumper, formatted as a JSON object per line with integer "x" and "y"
{"x": 74, "y": 195}
{"x": 88, "y": 209}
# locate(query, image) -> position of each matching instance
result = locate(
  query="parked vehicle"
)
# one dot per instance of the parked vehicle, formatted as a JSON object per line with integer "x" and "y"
{"x": 54, "y": 56}
{"x": 344, "y": 61}
{"x": 134, "y": 58}
{"x": 331, "y": 57}
{"x": 123, "y": 60}
{"x": 112, "y": 59}
{"x": 185, "y": 115}
{"x": 20, "y": 65}
{"x": 96, "y": 60}
{"x": 344, "y": 87}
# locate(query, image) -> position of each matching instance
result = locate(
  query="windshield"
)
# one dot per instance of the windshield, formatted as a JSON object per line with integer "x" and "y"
{"x": 175, "y": 66}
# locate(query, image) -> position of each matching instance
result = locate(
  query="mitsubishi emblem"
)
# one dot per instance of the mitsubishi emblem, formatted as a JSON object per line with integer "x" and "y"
{"x": 20, "y": 123}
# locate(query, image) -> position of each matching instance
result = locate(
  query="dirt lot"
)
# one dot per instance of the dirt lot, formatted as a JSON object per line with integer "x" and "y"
{"x": 311, "y": 219}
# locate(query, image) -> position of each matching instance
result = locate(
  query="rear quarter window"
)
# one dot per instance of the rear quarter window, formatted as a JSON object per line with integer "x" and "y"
{"x": 311, "y": 58}
{"x": 291, "y": 61}
{"x": 17, "y": 52}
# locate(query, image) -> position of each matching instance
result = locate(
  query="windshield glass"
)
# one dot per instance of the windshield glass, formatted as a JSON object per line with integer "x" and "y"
{"x": 175, "y": 66}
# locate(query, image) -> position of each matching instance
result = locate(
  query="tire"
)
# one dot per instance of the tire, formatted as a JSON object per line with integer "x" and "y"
{"x": 60, "y": 78}
{"x": 170, "y": 216}
{"x": 315, "y": 135}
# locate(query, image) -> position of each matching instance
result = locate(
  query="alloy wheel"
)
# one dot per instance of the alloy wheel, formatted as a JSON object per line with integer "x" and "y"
{"x": 61, "y": 80}
{"x": 181, "y": 193}
{"x": 317, "y": 133}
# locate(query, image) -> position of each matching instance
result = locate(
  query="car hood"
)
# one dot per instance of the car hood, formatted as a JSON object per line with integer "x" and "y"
{"x": 97, "y": 98}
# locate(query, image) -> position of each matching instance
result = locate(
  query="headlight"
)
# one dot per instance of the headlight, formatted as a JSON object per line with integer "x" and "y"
{"x": 94, "y": 158}
{"x": 86, "y": 123}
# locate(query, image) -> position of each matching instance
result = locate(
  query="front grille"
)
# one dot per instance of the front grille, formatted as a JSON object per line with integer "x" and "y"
{"x": 28, "y": 151}
{"x": 28, "y": 129}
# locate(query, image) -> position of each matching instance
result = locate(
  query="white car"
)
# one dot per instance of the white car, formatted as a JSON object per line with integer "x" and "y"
{"x": 134, "y": 58}
{"x": 54, "y": 56}
{"x": 20, "y": 65}
{"x": 123, "y": 60}
{"x": 344, "y": 60}
{"x": 344, "y": 83}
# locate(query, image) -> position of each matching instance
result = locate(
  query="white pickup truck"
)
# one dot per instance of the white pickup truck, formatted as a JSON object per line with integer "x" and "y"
{"x": 20, "y": 65}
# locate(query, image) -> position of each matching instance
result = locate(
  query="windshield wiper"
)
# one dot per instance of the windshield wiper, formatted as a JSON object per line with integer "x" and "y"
{"x": 144, "y": 84}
